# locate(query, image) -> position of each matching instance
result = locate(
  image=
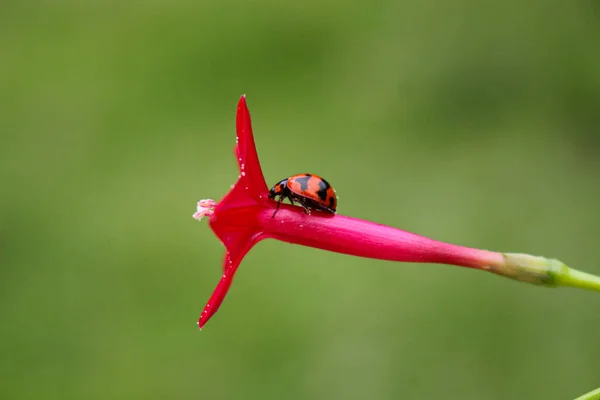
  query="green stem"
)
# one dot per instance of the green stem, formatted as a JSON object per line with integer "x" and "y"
{"x": 593, "y": 395}
{"x": 543, "y": 271}
{"x": 574, "y": 278}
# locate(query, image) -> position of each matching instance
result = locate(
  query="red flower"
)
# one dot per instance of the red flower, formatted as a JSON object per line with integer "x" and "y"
{"x": 243, "y": 218}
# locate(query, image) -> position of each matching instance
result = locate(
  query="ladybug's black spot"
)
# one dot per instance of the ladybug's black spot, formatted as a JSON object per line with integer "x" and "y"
{"x": 303, "y": 182}
{"x": 331, "y": 201}
{"x": 322, "y": 192}
{"x": 307, "y": 175}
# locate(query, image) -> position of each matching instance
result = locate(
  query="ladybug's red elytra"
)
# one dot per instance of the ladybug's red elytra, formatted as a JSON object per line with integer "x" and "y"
{"x": 311, "y": 191}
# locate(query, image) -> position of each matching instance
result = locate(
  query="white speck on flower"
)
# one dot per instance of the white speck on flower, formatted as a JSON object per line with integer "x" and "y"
{"x": 243, "y": 173}
{"x": 242, "y": 166}
{"x": 232, "y": 186}
{"x": 205, "y": 208}
{"x": 301, "y": 226}
{"x": 239, "y": 159}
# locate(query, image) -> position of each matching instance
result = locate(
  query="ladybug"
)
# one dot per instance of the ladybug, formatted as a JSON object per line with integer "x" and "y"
{"x": 311, "y": 191}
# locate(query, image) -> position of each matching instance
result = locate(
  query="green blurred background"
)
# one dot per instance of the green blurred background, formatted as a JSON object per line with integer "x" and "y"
{"x": 471, "y": 122}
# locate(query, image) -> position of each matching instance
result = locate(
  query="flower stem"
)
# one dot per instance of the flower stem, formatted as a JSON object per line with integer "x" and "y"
{"x": 543, "y": 271}
{"x": 574, "y": 278}
{"x": 593, "y": 395}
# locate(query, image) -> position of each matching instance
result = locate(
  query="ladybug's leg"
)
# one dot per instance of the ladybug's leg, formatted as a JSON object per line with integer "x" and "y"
{"x": 277, "y": 208}
{"x": 304, "y": 205}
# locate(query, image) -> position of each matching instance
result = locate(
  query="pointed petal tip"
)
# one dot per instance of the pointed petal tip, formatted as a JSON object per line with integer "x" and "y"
{"x": 202, "y": 321}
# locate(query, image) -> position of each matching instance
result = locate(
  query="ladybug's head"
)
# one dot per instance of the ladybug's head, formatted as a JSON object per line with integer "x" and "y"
{"x": 278, "y": 189}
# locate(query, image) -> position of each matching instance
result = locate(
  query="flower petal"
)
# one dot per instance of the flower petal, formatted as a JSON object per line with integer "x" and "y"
{"x": 245, "y": 151}
{"x": 240, "y": 242}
